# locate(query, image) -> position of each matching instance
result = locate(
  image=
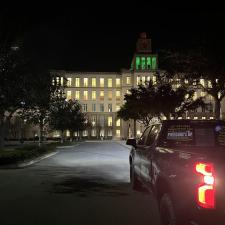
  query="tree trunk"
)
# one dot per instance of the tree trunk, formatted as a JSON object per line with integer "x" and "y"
{"x": 2, "y": 131}
{"x": 62, "y": 136}
{"x": 135, "y": 129}
{"x": 40, "y": 133}
{"x": 217, "y": 109}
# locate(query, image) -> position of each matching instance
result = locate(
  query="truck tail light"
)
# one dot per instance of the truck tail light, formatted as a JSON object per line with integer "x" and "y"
{"x": 206, "y": 189}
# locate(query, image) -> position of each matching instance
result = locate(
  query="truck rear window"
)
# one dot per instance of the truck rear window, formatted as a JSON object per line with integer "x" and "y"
{"x": 193, "y": 134}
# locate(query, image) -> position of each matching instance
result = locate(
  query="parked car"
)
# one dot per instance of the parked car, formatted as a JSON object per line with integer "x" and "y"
{"x": 183, "y": 163}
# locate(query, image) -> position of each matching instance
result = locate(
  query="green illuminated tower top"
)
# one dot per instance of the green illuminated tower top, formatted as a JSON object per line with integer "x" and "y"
{"x": 144, "y": 59}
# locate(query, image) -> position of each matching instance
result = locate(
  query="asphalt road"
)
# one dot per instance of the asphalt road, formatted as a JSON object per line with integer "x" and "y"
{"x": 82, "y": 185}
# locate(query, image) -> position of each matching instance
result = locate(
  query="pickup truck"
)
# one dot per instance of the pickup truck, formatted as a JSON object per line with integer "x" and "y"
{"x": 183, "y": 163}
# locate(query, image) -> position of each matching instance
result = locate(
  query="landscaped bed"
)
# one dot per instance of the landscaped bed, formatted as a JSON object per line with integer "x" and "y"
{"x": 12, "y": 155}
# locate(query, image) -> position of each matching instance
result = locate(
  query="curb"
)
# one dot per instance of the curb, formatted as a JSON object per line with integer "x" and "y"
{"x": 28, "y": 162}
{"x": 67, "y": 146}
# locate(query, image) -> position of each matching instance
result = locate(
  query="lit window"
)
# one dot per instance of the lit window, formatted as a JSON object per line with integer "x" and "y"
{"x": 195, "y": 118}
{"x": 128, "y": 92}
{"x": 138, "y": 80}
{"x": 77, "y": 95}
{"x": 68, "y": 95}
{"x": 149, "y": 63}
{"x": 101, "y": 95}
{"x": 128, "y": 80}
{"x": 202, "y": 82}
{"x": 117, "y": 95}
{"x": 154, "y": 79}
{"x": 143, "y": 80}
{"x": 154, "y": 63}
{"x": 93, "y": 107}
{"x": 118, "y": 133}
{"x": 85, "y": 95}
{"x": 101, "y": 107}
{"x": 117, "y": 107}
{"x": 109, "y": 95}
{"x": 62, "y": 80}
{"x": 117, "y": 82}
{"x": 203, "y": 118}
{"x": 69, "y": 81}
{"x": 67, "y": 133}
{"x": 148, "y": 78}
{"x": 118, "y": 123}
{"x": 85, "y": 133}
{"x": 188, "y": 117}
{"x": 211, "y": 117}
{"x": 195, "y": 96}
{"x": 85, "y": 82}
{"x": 93, "y": 95}
{"x": 138, "y": 132}
{"x": 101, "y": 82}
{"x": 84, "y": 107}
{"x": 110, "y": 121}
{"x": 179, "y": 118}
{"x": 138, "y": 63}
{"x": 109, "y": 107}
{"x": 77, "y": 82}
{"x": 143, "y": 63}
{"x": 93, "y": 132}
{"x": 93, "y": 82}
{"x": 186, "y": 81}
{"x": 109, "y": 133}
{"x": 203, "y": 93}
{"x": 109, "y": 82}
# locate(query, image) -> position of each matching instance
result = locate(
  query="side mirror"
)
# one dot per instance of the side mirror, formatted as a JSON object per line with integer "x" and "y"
{"x": 131, "y": 142}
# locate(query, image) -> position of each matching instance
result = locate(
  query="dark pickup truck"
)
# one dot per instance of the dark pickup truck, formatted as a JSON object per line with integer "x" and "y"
{"x": 183, "y": 163}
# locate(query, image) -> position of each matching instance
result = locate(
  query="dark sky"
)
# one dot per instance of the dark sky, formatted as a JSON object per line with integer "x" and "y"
{"x": 93, "y": 39}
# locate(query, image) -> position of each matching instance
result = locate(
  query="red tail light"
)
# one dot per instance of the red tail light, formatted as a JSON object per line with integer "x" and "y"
{"x": 206, "y": 189}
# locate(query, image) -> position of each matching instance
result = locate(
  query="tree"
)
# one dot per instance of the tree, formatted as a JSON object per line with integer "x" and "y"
{"x": 67, "y": 115}
{"x": 204, "y": 67}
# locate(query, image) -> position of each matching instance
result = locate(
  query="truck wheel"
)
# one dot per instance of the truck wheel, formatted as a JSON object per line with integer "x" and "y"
{"x": 167, "y": 211}
{"x": 135, "y": 183}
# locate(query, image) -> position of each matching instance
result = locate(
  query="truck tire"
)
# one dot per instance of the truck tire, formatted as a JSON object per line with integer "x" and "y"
{"x": 167, "y": 212}
{"x": 135, "y": 183}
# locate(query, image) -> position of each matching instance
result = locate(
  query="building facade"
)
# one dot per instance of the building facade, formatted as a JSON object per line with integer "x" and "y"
{"x": 102, "y": 93}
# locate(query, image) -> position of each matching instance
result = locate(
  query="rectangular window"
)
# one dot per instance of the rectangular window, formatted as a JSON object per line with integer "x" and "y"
{"x": 154, "y": 65}
{"x": 128, "y": 80}
{"x": 148, "y": 78}
{"x": 110, "y": 95}
{"x": 93, "y": 107}
{"x": 93, "y": 95}
{"x": 93, "y": 132}
{"x": 149, "y": 63}
{"x": 128, "y": 92}
{"x": 186, "y": 81}
{"x": 109, "y": 107}
{"x": 101, "y": 82}
{"x": 77, "y": 82}
{"x": 101, "y": 97}
{"x": 86, "y": 82}
{"x": 143, "y": 80}
{"x": 109, "y": 82}
{"x": 101, "y": 107}
{"x": 118, "y": 133}
{"x": 110, "y": 121}
{"x": 195, "y": 96}
{"x": 69, "y": 81}
{"x": 117, "y": 107}
{"x": 203, "y": 93}
{"x": 85, "y": 95}
{"x": 84, "y": 107}
{"x": 143, "y": 63}
{"x": 62, "y": 78}
{"x": 109, "y": 133}
{"x": 118, "y": 123}
{"x": 93, "y": 82}
{"x": 118, "y": 83}
{"x": 202, "y": 82}
{"x": 154, "y": 79}
{"x": 138, "y": 63}
{"x": 117, "y": 95}
{"x": 68, "y": 95}
{"x": 209, "y": 84}
{"x": 138, "y": 80}
{"x": 77, "y": 95}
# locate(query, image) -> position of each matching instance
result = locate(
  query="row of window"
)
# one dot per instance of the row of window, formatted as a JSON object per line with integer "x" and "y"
{"x": 92, "y": 82}
{"x": 92, "y": 95}
{"x": 101, "y": 107}
{"x": 146, "y": 63}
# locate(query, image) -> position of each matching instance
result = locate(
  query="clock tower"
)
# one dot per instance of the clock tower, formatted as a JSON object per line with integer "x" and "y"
{"x": 144, "y": 60}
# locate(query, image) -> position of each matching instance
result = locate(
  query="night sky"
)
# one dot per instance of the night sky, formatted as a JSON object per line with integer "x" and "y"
{"x": 93, "y": 39}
